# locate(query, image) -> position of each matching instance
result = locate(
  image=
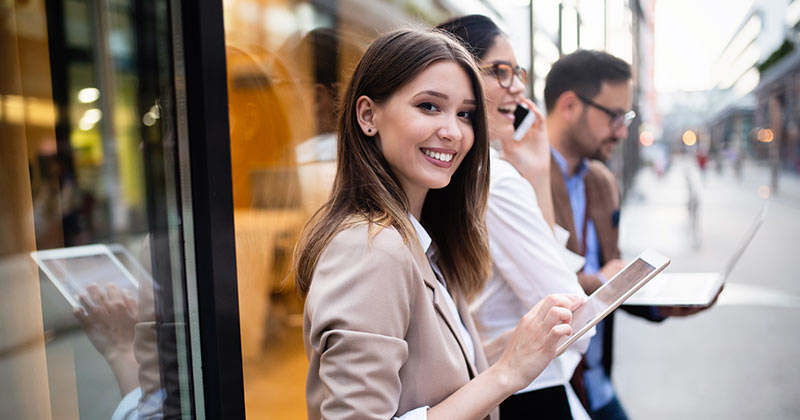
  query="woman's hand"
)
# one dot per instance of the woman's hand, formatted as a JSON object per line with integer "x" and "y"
{"x": 108, "y": 319}
{"x": 531, "y": 154}
{"x": 533, "y": 343}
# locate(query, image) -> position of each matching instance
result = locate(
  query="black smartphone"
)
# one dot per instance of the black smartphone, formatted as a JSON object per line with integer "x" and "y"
{"x": 523, "y": 120}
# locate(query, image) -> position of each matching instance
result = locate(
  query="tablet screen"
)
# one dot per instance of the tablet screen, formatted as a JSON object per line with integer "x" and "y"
{"x": 72, "y": 274}
{"x": 607, "y": 298}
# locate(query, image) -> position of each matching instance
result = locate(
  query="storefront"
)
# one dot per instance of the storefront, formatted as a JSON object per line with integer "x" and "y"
{"x": 158, "y": 162}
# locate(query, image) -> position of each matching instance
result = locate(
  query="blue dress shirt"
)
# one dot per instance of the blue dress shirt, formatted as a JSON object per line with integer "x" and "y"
{"x": 598, "y": 384}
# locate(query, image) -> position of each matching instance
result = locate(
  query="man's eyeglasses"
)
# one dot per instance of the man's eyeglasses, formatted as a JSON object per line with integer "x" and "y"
{"x": 618, "y": 119}
{"x": 505, "y": 72}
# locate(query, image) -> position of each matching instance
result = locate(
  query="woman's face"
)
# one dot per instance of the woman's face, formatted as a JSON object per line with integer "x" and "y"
{"x": 500, "y": 101}
{"x": 425, "y": 128}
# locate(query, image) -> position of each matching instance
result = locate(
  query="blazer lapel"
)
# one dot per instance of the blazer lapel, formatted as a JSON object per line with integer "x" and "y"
{"x": 441, "y": 307}
{"x": 480, "y": 364}
{"x": 603, "y": 202}
{"x": 562, "y": 206}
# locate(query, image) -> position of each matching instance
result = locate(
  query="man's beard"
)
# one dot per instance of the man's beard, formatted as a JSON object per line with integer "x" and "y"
{"x": 600, "y": 154}
{"x": 576, "y": 139}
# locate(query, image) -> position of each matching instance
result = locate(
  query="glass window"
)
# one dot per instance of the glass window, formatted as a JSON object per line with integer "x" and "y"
{"x": 90, "y": 251}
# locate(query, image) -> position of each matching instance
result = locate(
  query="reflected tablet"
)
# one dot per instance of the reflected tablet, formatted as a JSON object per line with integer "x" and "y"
{"x": 611, "y": 294}
{"x": 72, "y": 269}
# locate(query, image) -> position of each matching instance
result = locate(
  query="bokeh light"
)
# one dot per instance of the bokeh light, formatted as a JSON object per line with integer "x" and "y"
{"x": 765, "y": 135}
{"x": 646, "y": 138}
{"x": 689, "y": 138}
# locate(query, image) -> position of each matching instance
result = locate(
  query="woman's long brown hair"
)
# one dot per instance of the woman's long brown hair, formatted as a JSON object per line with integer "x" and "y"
{"x": 366, "y": 190}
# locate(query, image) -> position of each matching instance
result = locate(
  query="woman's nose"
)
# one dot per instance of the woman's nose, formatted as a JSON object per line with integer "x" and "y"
{"x": 517, "y": 87}
{"x": 450, "y": 130}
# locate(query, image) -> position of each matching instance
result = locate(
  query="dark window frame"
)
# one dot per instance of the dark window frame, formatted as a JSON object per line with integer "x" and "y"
{"x": 206, "y": 107}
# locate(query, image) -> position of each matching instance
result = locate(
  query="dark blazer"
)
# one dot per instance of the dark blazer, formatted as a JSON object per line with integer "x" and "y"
{"x": 603, "y": 205}
{"x": 378, "y": 334}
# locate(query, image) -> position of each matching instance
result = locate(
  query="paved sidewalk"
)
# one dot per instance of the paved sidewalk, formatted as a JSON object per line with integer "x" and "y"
{"x": 737, "y": 360}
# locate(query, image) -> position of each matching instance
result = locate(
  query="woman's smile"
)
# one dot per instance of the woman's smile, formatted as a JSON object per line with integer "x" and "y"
{"x": 442, "y": 158}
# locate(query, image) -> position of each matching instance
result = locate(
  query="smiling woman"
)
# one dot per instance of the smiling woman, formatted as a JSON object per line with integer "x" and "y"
{"x": 424, "y": 130}
{"x": 386, "y": 264}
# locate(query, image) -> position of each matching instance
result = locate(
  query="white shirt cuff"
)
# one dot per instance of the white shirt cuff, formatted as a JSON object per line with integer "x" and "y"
{"x": 128, "y": 408}
{"x": 415, "y": 414}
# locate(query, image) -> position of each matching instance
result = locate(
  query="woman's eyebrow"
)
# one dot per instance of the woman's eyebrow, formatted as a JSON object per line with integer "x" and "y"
{"x": 433, "y": 93}
{"x": 443, "y": 96}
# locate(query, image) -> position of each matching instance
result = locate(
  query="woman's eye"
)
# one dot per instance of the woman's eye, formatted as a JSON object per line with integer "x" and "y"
{"x": 467, "y": 115}
{"x": 428, "y": 106}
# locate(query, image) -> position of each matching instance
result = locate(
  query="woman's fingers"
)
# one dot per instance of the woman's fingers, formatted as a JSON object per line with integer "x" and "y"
{"x": 113, "y": 292}
{"x": 560, "y": 330}
{"x": 563, "y": 301}
{"x": 97, "y": 296}
{"x": 558, "y": 315}
{"x": 87, "y": 304}
{"x": 130, "y": 304}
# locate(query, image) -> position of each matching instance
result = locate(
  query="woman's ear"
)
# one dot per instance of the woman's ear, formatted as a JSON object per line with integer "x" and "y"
{"x": 366, "y": 115}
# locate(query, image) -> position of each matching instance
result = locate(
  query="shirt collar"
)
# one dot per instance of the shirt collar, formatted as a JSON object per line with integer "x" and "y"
{"x": 422, "y": 235}
{"x": 583, "y": 165}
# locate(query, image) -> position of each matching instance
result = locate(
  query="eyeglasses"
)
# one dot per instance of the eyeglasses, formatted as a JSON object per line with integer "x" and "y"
{"x": 618, "y": 119}
{"x": 505, "y": 72}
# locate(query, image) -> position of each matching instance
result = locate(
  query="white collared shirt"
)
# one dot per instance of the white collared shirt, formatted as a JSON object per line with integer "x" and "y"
{"x": 528, "y": 263}
{"x": 425, "y": 241}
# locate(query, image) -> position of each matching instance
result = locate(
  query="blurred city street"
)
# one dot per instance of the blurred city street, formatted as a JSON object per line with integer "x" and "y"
{"x": 737, "y": 360}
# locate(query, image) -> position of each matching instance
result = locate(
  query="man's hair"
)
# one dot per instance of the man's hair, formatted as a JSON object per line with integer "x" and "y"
{"x": 366, "y": 189}
{"x": 584, "y": 73}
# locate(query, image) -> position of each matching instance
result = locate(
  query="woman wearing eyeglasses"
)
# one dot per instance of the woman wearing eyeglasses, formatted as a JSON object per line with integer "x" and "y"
{"x": 529, "y": 258}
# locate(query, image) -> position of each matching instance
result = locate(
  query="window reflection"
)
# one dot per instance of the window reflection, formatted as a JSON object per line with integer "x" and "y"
{"x": 90, "y": 326}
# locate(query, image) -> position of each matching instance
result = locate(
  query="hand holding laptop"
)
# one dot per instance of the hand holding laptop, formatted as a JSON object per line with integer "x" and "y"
{"x": 692, "y": 291}
{"x": 682, "y": 311}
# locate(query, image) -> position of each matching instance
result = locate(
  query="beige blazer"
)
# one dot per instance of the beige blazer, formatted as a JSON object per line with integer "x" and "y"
{"x": 379, "y": 337}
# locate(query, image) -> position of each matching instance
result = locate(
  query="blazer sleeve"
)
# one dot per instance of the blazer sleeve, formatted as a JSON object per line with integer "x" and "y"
{"x": 359, "y": 312}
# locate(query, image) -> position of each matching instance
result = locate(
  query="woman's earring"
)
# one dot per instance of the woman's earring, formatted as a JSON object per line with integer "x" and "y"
{"x": 369, "y": 131}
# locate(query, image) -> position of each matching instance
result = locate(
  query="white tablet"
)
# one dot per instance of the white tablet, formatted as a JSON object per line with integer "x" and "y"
{"x": 610, "y": 295}
{"x": 72, "y": 269}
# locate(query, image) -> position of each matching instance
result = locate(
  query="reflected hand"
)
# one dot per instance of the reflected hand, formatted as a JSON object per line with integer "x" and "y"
{"x": 532, "y": 345}
{"x": 530, "y": 155}
{"x": 108, "y": 319}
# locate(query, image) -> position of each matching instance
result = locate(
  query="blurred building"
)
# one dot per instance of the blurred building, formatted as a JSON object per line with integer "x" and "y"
{"x": 777, "y": 113}
{"x": 753, "y": 104}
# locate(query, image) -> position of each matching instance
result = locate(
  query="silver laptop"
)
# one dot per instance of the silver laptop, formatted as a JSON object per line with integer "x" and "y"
{"x": 693, "y": 289}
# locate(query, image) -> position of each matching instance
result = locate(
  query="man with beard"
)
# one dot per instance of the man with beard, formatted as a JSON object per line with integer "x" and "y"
{"x": 588, "y": 95}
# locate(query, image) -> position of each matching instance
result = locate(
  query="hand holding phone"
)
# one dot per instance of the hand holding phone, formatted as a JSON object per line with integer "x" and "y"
{"x": 523, "y": 120}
